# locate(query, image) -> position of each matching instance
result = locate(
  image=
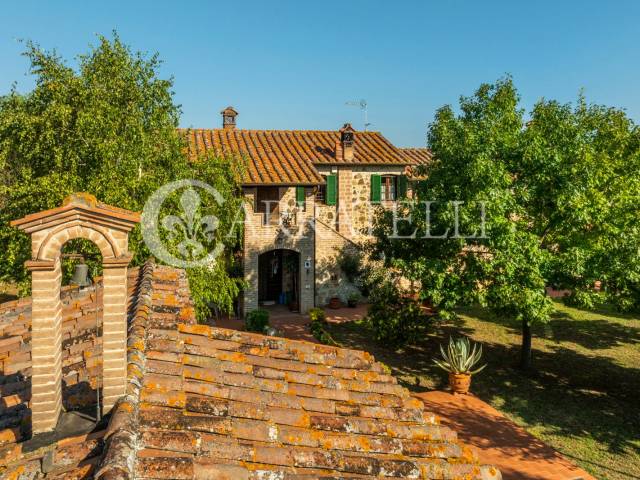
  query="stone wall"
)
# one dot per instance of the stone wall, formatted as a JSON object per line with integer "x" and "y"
{"x": 363, "y": 211}
{"x": 354, "y": 195}
{"x": 333, "y": 236}
{"x": 330, "y": 281}
{"x": 327, "y": 214}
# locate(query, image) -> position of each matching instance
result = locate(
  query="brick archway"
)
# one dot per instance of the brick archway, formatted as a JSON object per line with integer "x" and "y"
{"x": 51, "y": 245}
{"x": 80, "y": 216}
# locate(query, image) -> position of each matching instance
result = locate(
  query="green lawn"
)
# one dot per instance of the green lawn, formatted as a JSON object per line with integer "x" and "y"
{"x": 8, "y": 292}
{"x": 584, "y": 398}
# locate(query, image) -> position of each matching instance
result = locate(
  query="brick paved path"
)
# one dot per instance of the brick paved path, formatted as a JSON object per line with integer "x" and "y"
{"x": 500, "y": 442}
{"x": 296, "y": 326}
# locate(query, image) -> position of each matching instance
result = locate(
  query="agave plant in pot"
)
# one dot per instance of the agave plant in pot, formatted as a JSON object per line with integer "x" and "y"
{"x": 459, "y": 360}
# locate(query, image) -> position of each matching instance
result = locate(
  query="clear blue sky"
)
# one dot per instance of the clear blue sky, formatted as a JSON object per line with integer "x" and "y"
{"x": 294, "y": 64}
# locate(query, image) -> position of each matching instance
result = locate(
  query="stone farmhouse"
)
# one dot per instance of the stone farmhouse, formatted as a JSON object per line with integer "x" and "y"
{"x": 309, "y": 194}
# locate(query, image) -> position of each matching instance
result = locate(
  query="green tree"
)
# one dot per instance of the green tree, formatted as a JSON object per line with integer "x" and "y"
{"x": 550, "y": 202}
{"x": 107, "y": 127}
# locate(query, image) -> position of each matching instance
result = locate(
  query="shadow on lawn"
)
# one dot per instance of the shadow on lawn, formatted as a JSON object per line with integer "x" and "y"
{"x": 594, "y": 334}
{"x": 570, "y": 394}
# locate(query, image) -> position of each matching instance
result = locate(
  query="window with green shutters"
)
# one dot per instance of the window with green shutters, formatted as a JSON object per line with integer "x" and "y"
{"x": 402, "y": 187}
{"x": 300, "y": 197}
{"x": 331, "y": 190}
{"x": 376, "y": 185}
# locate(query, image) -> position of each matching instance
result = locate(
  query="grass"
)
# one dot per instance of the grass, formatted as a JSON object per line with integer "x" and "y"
{"x": 8, "y": 292}
{"x": 582, "y": 399}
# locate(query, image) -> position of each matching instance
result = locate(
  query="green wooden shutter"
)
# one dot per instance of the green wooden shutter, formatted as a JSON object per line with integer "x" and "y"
{"x": 376, "y": 187}
{"x": 331, "y": 190}
{"x": 402, "y": 187}
{"x": 300, "y": 196}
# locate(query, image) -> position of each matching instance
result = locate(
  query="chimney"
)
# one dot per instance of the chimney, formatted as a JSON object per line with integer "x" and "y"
{"x": 229, "y": 118}
{"x": 346, "y": 142}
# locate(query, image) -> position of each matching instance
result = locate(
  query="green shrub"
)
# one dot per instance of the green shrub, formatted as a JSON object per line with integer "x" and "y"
{"x": 395, "y": 319}
{"x": 396, "y": 324}
{"x": 318, "y": 326}
{"x": 585, "y": 299}
{"x": 316, "y": 314}
{"x": 350, "y": 262}
{"x": 257, "y": 320}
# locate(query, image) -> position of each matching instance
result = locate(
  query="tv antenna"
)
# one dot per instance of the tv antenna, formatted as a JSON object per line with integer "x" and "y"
{"x": 362, "y": 103}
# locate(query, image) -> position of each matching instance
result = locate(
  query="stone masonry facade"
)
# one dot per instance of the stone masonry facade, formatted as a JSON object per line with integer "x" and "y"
{"x": 322, "y": 238}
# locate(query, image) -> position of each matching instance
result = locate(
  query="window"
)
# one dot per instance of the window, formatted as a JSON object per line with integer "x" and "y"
{"x": 327, "y": 192}
{"x": 301, "y": 198}
{"x": 268, "y": 197}
{"x": 388, "y": 188}
{"x": 321, "y": 193}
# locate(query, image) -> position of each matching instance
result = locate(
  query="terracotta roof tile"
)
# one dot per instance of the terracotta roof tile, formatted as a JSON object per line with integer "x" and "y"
{"x": 418, "y": 156}
{"x": 205, "y": 402}
{"x": 288, "y": 157}
{"x": 215, "y": 402}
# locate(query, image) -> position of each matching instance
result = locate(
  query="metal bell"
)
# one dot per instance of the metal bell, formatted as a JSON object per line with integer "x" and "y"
{"x": 81, "y": 275}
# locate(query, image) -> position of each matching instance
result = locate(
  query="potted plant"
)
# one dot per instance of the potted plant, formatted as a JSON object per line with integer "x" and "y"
{"x": 459, "y": 359}
{"x": 335, "y": 303}
{"x": 352, "y": 300}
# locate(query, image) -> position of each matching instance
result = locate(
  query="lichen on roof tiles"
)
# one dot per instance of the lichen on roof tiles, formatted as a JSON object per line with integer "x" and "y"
{"x": 205, "y": 402}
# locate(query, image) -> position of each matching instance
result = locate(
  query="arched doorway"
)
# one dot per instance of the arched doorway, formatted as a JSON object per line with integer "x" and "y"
{"x": 279, "y": 278}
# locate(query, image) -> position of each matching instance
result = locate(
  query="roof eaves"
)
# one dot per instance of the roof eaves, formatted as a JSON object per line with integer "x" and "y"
{"x": 121, "y": 438}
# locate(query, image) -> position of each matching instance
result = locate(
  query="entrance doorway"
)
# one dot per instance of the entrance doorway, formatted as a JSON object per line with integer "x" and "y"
{"x": 279, "y": 278}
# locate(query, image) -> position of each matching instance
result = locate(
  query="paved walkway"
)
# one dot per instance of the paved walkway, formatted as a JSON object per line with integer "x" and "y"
{"x": 296, "y": 326}
{"x": 500, "y": 442}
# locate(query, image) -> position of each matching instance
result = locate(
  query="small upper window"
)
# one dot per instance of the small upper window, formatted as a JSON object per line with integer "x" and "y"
{"x": 321, "y": 193}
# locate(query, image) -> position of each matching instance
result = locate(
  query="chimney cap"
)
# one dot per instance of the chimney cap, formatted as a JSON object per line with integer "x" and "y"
{"x": 347, "y": 128}
{"x": 229, "y": 111}
{"x": 347, "y": 133}
{"x": 229, "y": 115}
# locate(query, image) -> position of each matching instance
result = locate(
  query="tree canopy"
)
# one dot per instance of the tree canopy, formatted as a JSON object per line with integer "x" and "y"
{"x": 107, "y": 127}
{"x": 552, "y": 201}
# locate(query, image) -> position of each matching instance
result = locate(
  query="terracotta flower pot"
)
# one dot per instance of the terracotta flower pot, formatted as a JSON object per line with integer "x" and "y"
{"x": 459, "y": 383}
{"x": 335, "y": 303}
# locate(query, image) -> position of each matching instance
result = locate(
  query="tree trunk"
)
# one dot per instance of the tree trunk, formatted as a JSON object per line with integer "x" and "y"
{"x": 525, "y": 359}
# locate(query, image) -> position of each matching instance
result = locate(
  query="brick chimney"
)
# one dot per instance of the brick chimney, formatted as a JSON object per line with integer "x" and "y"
{"x": 346, "y": 142}
{"x": 229, "y": 118}
{"x": 80, "y": 216}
